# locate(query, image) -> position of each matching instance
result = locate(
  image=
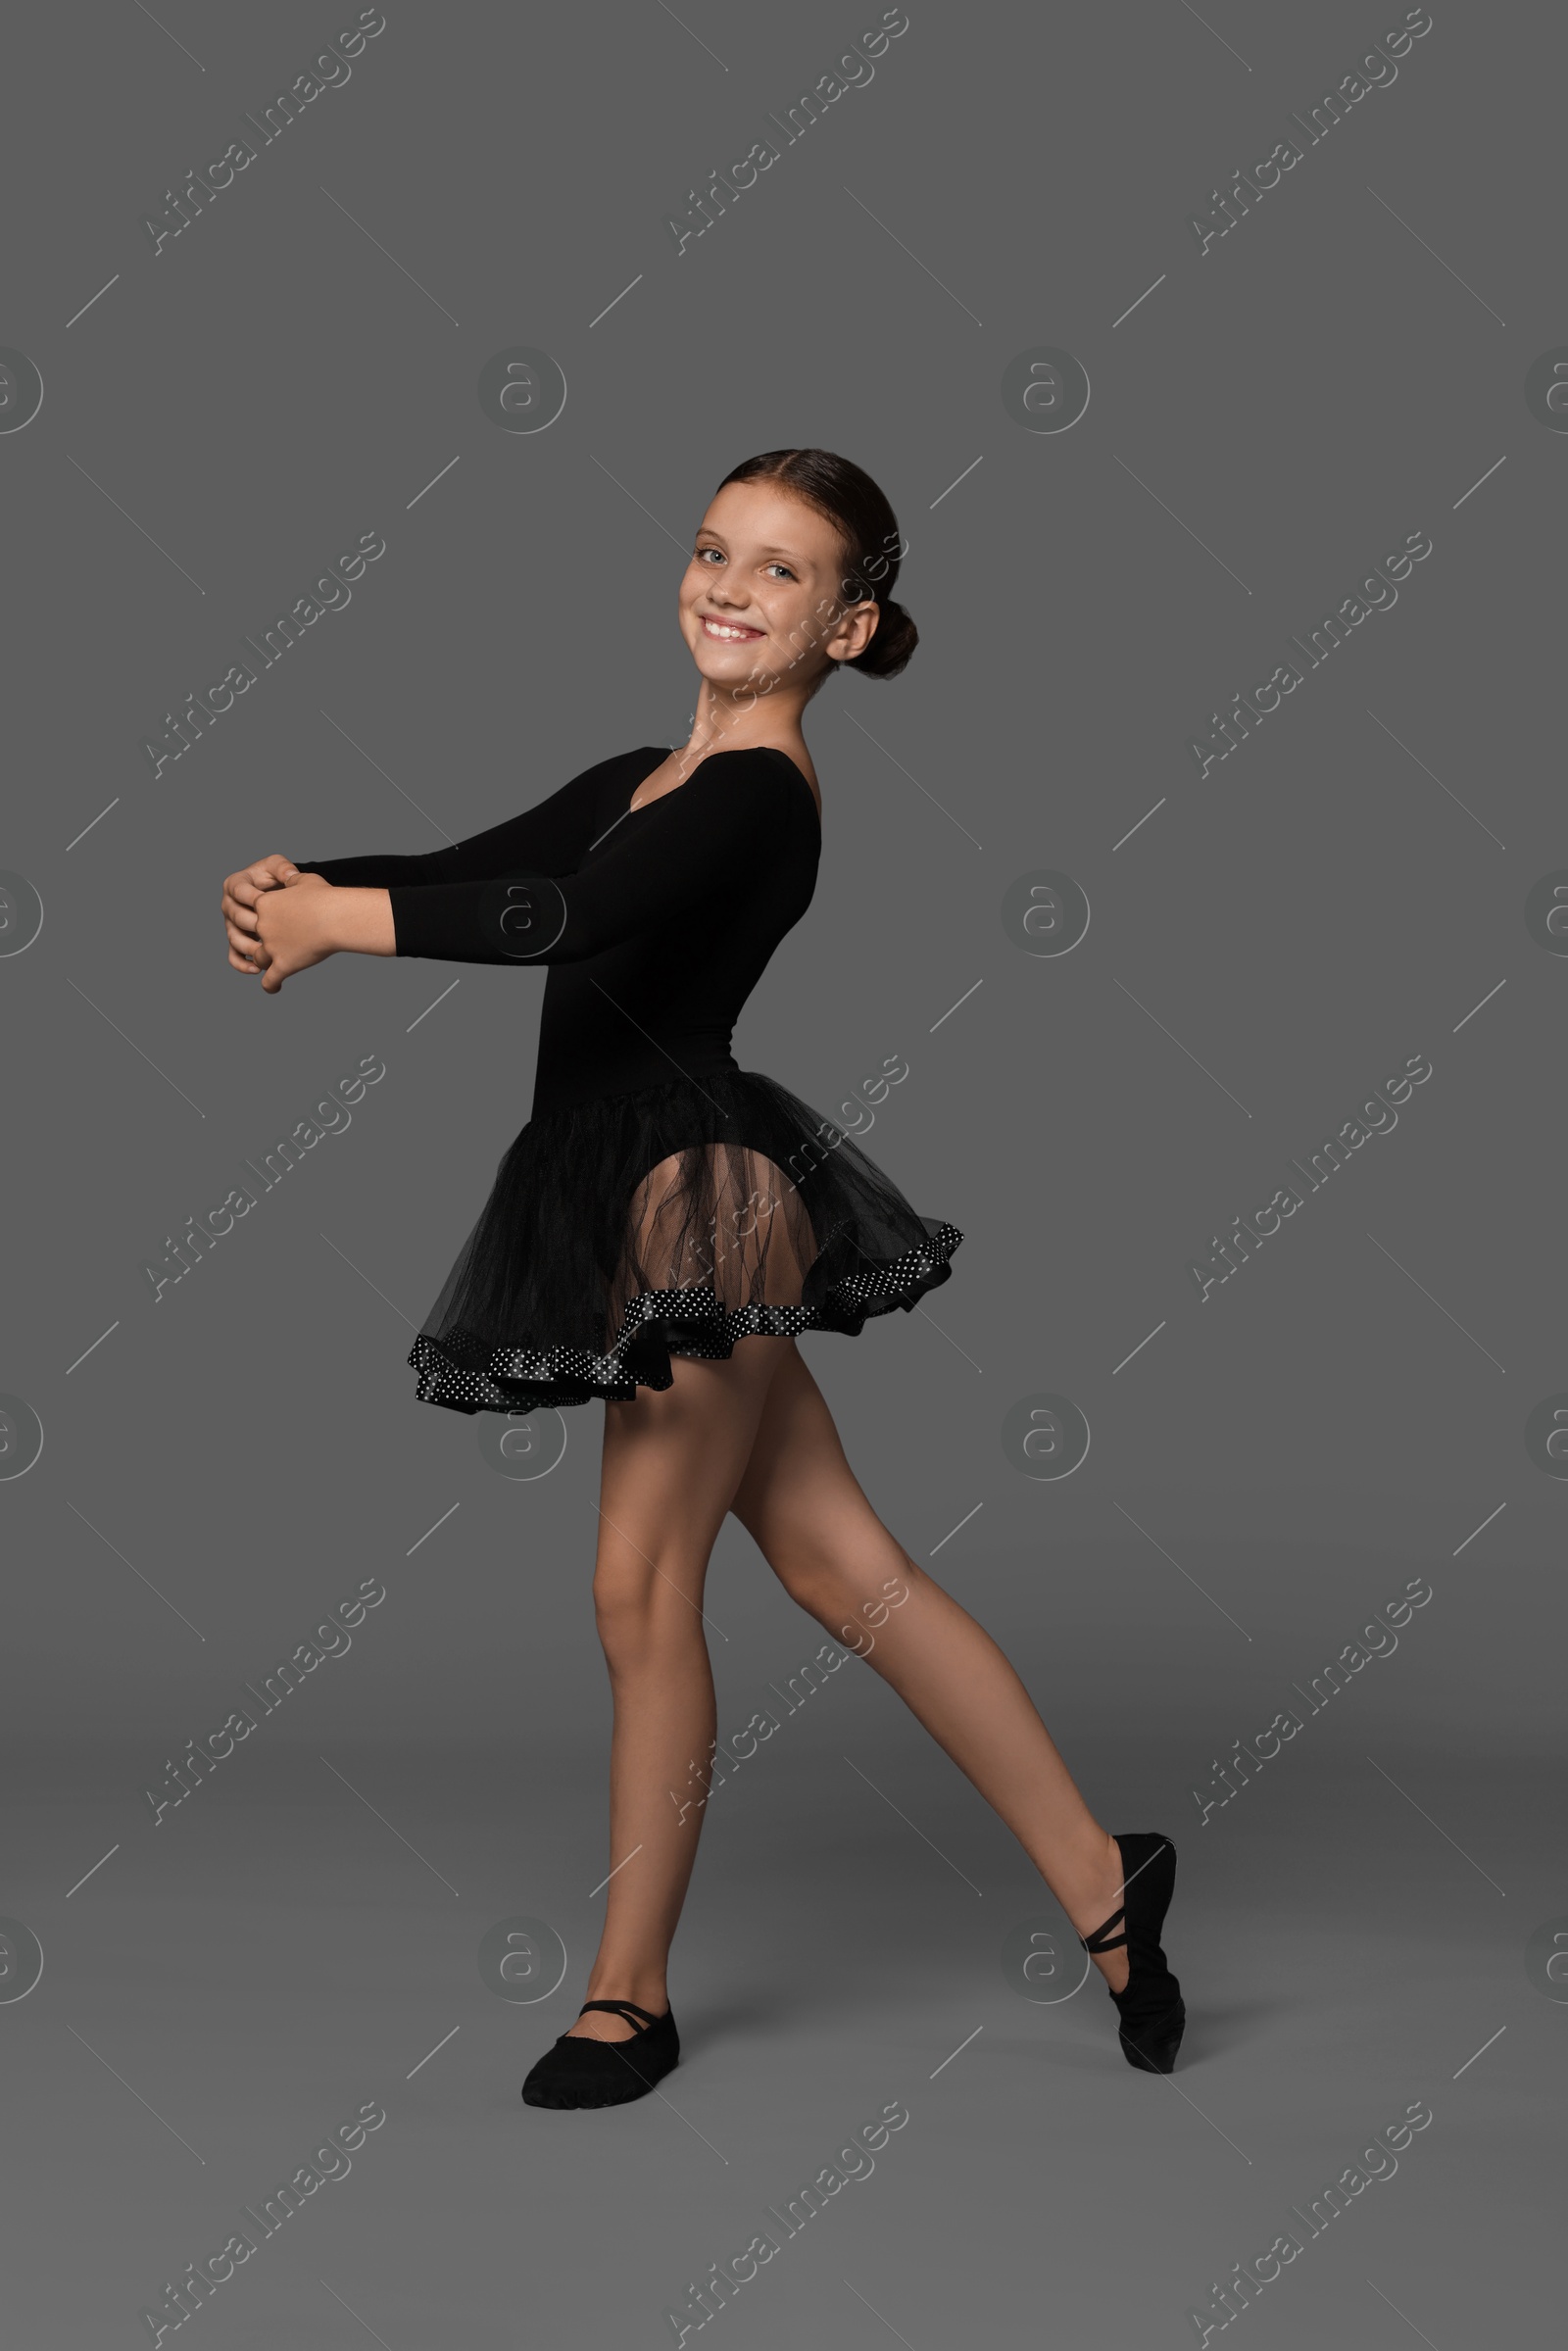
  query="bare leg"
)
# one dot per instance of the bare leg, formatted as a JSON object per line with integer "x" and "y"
{"x": 801, "y": 1504}
{"x": 671, "y": 1462}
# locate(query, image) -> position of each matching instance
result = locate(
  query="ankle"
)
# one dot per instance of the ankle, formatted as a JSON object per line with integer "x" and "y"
{"x": 1106, "y": 1901}
{"x": 642, "y": 1988}
{"x": 1089, "y": 1886}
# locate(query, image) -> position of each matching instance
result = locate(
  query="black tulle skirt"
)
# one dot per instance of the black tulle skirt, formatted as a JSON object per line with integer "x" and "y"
{"x": 626, "y": 1230}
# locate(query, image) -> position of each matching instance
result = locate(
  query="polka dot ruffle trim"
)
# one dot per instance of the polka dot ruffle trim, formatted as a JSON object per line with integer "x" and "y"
{"x": 458, "y": 1371}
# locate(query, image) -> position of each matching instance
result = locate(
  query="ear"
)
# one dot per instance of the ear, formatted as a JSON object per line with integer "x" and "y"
{"x": 854, "y": 633}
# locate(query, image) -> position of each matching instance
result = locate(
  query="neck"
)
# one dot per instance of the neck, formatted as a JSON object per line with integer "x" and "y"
{"x": 733, "y": 722}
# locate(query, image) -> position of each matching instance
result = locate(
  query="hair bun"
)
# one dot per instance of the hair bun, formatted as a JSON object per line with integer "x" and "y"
{"x": 870, "y": 545}
{"x": 895, "y": 639}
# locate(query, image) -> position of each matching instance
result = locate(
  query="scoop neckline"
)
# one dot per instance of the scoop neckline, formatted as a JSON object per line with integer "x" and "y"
{"x": 737, "y": 751}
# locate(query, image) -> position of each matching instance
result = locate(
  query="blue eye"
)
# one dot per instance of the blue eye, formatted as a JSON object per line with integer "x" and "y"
{"x": 701, "y": 553}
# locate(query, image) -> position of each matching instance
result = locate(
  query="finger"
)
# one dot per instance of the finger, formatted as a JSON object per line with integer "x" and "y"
{"x": 241, "y": 915}
{"x": 243, "y": 963}
{"x": 244, "y": 941}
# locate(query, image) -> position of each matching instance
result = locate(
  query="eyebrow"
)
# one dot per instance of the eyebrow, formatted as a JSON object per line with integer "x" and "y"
{"x": 706, "y": 532}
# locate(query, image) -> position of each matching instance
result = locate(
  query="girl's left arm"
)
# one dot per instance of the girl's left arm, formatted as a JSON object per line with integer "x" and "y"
{"x": 550, "y": 838}
{"x": 669, "y": 864}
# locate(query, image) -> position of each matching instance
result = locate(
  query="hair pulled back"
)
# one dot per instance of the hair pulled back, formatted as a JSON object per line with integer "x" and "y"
{"x": 847, "y": 497}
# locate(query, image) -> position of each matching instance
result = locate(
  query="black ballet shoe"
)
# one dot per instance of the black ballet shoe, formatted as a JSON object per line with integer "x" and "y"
{"x": 1150, "y": 2007}
{"x": 579, "y": 2072}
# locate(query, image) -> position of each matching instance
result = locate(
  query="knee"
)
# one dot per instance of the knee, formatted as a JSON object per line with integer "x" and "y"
{"x": 850, "y": 1606}
{"x": 817, "y": 1582}
{"x": 641, "y": 1612}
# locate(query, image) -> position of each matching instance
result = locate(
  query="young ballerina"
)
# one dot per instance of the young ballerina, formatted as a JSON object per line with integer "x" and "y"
{"x": 667, "y": 1224}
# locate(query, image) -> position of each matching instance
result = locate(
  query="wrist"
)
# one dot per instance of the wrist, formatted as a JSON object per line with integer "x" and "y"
{"x": 356, "y": 921}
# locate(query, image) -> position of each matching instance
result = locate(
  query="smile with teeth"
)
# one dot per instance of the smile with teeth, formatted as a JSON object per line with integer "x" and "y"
{"x": 731, "y": 632}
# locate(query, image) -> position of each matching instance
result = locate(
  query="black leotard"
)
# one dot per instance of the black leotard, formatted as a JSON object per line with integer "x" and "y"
{"x": 656, "y": 921}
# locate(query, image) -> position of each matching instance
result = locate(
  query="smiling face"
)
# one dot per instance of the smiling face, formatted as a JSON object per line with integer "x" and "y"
{"x": 761, "y": 600}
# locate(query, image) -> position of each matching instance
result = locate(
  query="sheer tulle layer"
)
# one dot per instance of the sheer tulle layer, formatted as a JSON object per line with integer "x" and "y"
{"x": 631, "y": 1229}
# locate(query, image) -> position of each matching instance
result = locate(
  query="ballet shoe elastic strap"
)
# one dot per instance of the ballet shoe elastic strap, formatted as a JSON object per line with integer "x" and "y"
{"x": 1102, "y": 1939}
{"x": 621, "y": 2008}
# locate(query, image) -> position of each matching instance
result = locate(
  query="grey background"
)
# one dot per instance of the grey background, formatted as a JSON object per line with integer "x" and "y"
{"x": 1274, "y": 1464}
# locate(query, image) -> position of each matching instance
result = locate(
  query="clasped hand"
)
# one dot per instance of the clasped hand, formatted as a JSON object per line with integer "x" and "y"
{"x": 275, "y": 918}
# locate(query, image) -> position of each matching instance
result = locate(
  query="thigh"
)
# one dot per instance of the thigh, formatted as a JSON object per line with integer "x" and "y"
{"x": 720, "y": 1217}
{"x": 810, "y": 1517}
{"x": 673, "y": 1458}
{"x": 798, "y": 1500}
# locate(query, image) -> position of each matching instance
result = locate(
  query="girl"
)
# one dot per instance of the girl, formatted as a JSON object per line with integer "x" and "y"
{"x": 667, "y": 1224}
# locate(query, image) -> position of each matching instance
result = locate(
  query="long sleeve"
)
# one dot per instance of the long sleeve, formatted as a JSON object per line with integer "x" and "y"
{"x": 662, "y": 863}
{"x": 549, "y": 838}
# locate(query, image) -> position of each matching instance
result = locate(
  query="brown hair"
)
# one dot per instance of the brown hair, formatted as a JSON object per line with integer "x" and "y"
{"x": 847, "y": 497}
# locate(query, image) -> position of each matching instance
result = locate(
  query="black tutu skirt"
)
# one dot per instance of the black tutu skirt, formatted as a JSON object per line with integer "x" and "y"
{"x": 629, "y": 1229}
